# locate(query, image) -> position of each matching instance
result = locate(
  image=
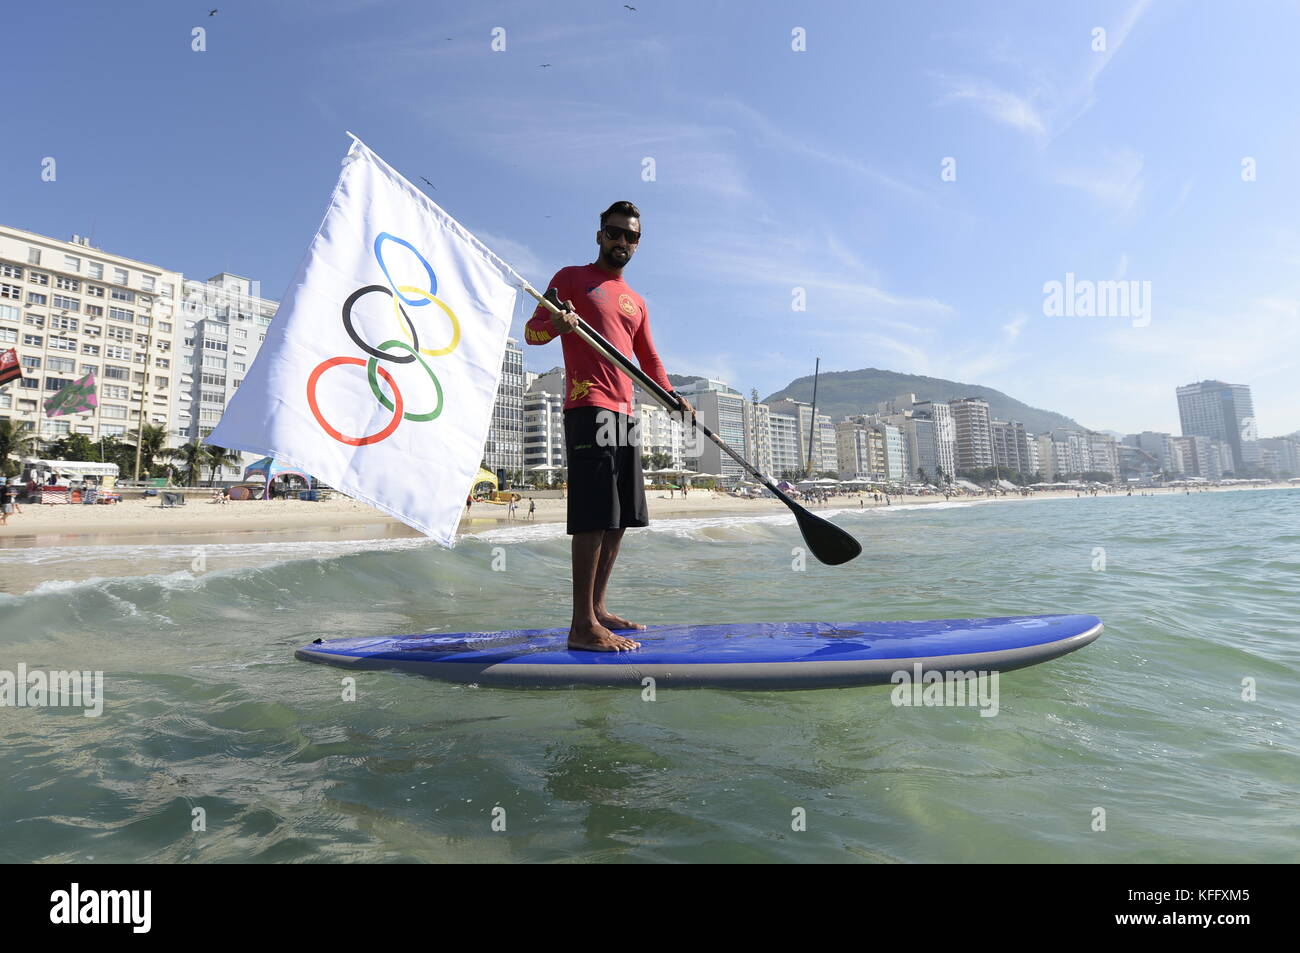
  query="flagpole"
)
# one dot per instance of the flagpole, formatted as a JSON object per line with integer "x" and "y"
{"x": 139, "y": 427}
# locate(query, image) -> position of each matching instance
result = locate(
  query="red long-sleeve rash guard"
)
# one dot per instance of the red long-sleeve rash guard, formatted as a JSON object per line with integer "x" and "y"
{"x": 611, "y": 307}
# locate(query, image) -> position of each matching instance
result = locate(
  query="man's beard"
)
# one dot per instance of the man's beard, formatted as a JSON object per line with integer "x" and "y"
{"x": 607, "y": 258}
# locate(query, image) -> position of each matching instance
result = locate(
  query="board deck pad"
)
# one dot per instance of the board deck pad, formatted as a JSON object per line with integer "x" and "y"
{"x": 744, "y": 655}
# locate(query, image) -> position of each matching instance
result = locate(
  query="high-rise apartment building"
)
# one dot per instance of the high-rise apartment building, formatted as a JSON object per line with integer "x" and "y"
{"x": 785, "y": 443}
{"x": 974, "y": 433}
{"x": 758, "y": 433}
{"x": 543, "y": 437}
{"x": 1221, "y": 412}
{"x": 223, "y": 324}
{"x": 1204, "y": 457}
{"x": 824, "y": 456}
{"x": 897, "y": 462}
{"x": 720, "y": 408}
{"x": 1010, "y": 446}
{"x": 1161, "y": 447}
{"x": 503, "y": 452}
{"x": 1280, "y": 456}
{"x": 1102, "y": 454}
{"x": 852, "y": 450}
{"x": 69, "y": 308}
{"x": 922, "y": 447}
{"x": 945, "y": 435}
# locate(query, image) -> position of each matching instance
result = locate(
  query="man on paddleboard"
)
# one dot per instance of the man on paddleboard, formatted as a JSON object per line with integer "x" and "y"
{"x": 601, "y": 432}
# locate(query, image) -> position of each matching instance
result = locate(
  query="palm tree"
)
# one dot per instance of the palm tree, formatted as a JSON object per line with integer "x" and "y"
{"x": 217, "y": 457}
{"x": 152, "y": 444}
{"x": 16, "y": 441}
{"x": 192, "y": 456}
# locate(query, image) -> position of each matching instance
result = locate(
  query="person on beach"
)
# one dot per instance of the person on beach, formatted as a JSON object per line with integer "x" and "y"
{"x": 601, "y": 430}
{"x": 532, "y": 508}
{"x": 510, "y": 510}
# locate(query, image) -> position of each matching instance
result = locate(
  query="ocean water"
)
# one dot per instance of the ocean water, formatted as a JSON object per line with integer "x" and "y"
{"x": 206, "y": 708}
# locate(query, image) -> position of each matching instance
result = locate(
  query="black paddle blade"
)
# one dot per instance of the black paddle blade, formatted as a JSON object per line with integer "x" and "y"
{"x": 828, "y": 542}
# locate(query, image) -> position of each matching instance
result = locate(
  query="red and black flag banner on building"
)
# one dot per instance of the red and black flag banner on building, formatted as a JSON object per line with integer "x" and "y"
{"x": 10, "y": 369}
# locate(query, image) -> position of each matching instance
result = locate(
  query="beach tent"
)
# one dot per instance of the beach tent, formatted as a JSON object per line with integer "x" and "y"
{"x": 267, "y": 469}
{"x": 484, "y": 476}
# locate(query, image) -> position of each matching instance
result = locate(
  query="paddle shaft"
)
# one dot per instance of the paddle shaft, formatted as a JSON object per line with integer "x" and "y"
{"x": 828, "y": 542}
{"x": 670, "y": 401}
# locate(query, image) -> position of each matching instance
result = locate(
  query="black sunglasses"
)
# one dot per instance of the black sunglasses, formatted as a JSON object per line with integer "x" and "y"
{"x": 614, "y": 233}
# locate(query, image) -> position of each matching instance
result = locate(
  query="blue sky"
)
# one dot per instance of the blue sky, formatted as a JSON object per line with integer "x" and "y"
{"x": 775, "y": 169}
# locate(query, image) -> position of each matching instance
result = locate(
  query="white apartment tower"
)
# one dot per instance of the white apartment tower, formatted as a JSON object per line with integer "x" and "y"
{"x": 974, "y": 433}
{"x": 720, "y": 408}
{"x": 224, "y": 322}
{"x": 945, "y": 434}
{"x": 543, "y": 436}
{"x": 503, "y": 452}
{"x": 69, "y": 308}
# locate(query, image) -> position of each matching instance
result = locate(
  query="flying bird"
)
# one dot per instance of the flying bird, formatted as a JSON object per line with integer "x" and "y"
{"x": 212, "y": 13}
{"x": 429, "y": 184}
{"x": 633, "y": 9}
{"x": 543, "y": 65}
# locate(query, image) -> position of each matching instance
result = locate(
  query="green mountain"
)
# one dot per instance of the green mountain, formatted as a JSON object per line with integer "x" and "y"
{"x": 677, "y": 380}
{"x": 840, "y": 393}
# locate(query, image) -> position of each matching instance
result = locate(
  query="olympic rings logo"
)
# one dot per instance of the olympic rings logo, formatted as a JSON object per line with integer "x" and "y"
{"x": 411, "y": 347}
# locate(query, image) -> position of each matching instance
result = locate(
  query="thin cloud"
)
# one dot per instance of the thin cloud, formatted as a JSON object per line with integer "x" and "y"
{"x": 1045, "y": 110}
{"x": 777, "y": 138}
{"x": 1084, "y": 96}
{"x": 569, "y": 141}
{"x": 1001, "y": 105}
{"x": 1117, "y": 182}
{"x": 514, "y": 253}
{"x": 1012, "y": 328}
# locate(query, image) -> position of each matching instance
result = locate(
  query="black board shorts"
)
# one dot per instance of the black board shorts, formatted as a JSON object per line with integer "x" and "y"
{"x": 605, "y": 482}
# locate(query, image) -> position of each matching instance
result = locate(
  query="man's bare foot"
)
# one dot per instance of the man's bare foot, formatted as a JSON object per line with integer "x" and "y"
{"x": 608, "y": 619}
{"x": 597, "y": 638}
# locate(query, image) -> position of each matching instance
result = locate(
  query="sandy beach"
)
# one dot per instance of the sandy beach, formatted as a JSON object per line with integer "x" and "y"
{"x": 146, "y": 521}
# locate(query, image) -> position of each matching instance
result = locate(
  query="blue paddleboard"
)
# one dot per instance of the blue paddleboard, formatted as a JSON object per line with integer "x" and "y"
{"x": 744, "y": 655}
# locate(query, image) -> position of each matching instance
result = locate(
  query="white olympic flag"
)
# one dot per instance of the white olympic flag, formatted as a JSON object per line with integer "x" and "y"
{"x": 379, "y": 372}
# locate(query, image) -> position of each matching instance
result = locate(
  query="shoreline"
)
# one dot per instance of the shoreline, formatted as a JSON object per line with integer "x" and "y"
{"x": 143, "y": 522}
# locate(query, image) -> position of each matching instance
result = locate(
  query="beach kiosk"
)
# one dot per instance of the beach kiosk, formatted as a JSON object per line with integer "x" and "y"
{"x": 67, "y": 481}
